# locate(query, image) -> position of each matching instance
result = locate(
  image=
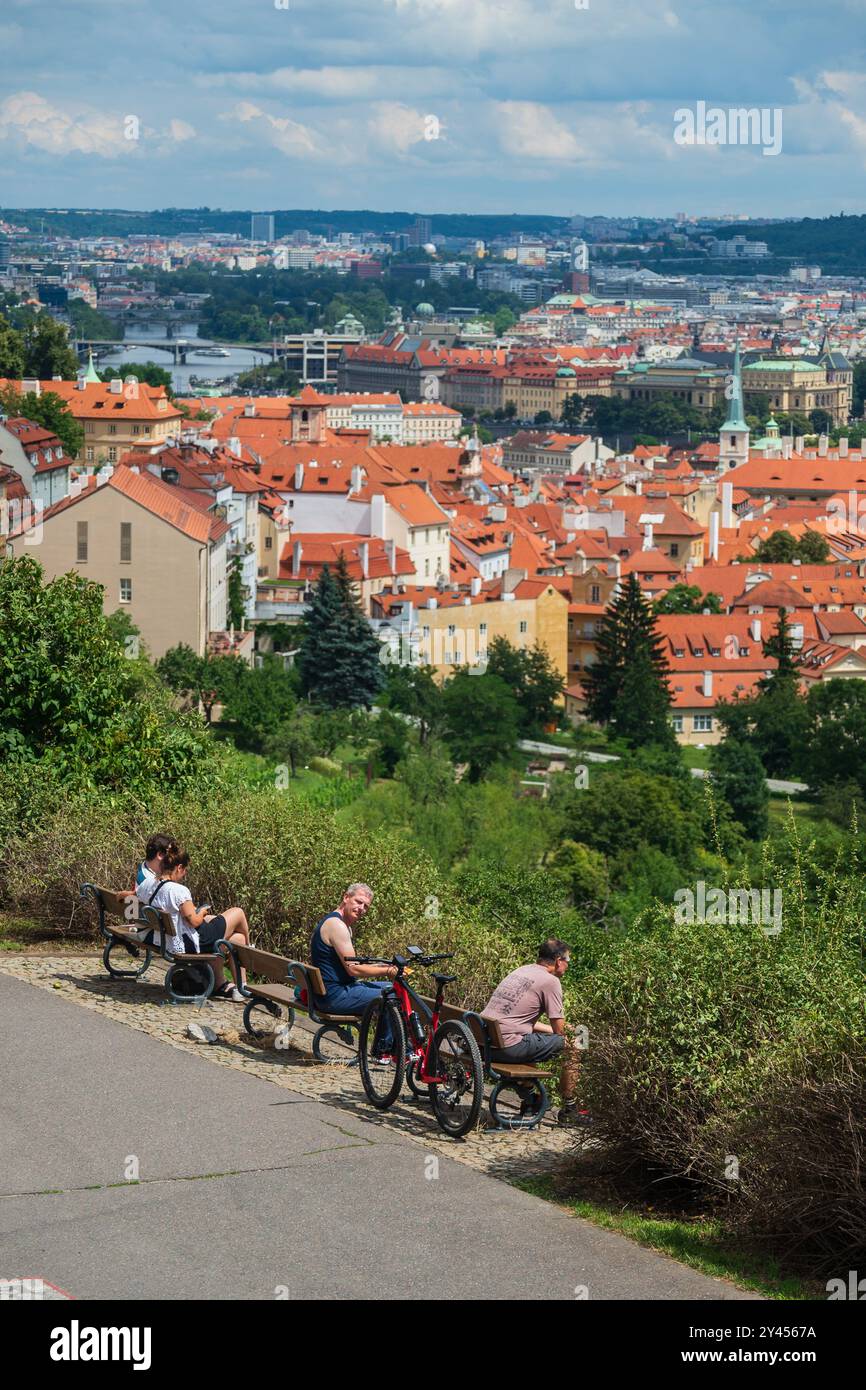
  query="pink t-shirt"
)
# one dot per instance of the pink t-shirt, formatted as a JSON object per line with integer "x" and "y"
{"x": 520, "y": 1000}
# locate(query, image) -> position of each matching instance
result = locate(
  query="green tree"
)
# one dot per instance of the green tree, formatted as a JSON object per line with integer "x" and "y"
{"x": 236, "y": 594}
{"x": 46, "y": 350}
{"x": 738, "y": 776}
{"x": 627, "y": 685}
{"x": 413, "y": 690}
{"x": 779, "y": 548}
{"x": 258, "y": 702}
{"x": 687, "y": 598}
{"x": 813, "y": 549}
{"x": 294, "y": 740}
{"x": 11, "y": 351}
{"x": 72, "y": 703}
{"x": 543, "y": 417}
{"x": 622, "y": 810}
{"x": 338, "y": 662}
{"x": 503, "y": 319}
{"x": 536, "y": 684}
{"x": 206, "y": 680}
{"x": 481, "y": 720}
{"x": 147, "y": 372}
{"x": 392, "y": 738}
{"x": 573, "y": 407}
{"x": 835, "y": 741}
{"x": 48, "y": 410}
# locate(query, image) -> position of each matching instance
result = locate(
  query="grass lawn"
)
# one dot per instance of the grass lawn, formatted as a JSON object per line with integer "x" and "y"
{"x": 696, "y": 757}
{"x": 699, "y": 1244}
{"x": 20, "y": 934}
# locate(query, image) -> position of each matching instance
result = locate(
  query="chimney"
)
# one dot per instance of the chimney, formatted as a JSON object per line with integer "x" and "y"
{"x": 30, "y": 386}
{"x": 234, "y": 445}
{"x": 297, "y": 552}
{"x": 796, "y": 635}
{"x": 638, "y": 487}
{"x": 81, "y": 384}
{"x": 355, "y": 485}
{"x": 104, "y": 474}
{"x": 377, "y": 516}
{"x": 707, "y": 686}
{"x": 299, "y": 476}
{"x": 823, "y": 442}
{"x": 786, "y": 447}
{"x": 648, "y": 536}
{"x": 714, "y": 535}
{"x": 498, "y": 513}
{"x": 799, "y": 441}
{"x": 364, "y": 554}
{"x": 250, "y": 410}
{"x": 391, "y": 552}
{"x": 432, "y": 603}
{"x": 727, "y": 505}
{"x": 115, "y": 386}
{"x": 755, "y": 629}
{"x": 475, "y": 585}
{"x": 843, "y": 447}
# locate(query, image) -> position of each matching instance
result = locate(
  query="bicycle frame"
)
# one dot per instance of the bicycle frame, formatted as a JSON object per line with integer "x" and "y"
{"x": 405, "y": 998}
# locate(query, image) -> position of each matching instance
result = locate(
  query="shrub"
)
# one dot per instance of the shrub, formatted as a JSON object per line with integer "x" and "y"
{"x": 326, "y": 766}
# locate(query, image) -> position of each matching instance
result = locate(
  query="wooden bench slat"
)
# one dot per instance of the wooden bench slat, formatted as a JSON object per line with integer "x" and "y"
{"x": 518, "y": 1069}
{"x": 266, "y": 963}
{"x": 278, "y": 994}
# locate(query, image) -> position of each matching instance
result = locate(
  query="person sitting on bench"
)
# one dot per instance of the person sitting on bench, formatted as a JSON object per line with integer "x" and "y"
{"x": 152, "y": 865}
{"x": 517, "y": 1004}
{"x": 349, "y": 987}
{"x": 194, "y": 929}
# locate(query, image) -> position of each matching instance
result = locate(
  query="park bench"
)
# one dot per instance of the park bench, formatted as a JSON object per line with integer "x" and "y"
{"x": 274, "y": 1002}
{"x": 504, "y": 1075}
{"x": 122, "y": 942}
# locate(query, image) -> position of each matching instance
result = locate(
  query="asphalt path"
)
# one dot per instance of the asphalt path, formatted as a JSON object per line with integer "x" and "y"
{"x": 247, "y": 1190}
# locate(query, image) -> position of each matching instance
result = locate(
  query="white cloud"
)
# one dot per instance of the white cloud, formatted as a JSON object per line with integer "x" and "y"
{"x": 396, "y": 127}
{"x": 529, "y": 130}
{"x": 181, "y": 130}
{"x": 29, "y": 117}
{"x": 280, "y": 132}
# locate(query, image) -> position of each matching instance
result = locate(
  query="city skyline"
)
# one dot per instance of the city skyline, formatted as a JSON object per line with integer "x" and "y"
{"x": 435, "y": 105}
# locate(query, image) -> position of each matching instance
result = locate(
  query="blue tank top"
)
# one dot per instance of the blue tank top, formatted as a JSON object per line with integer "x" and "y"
{"x": 326, "y": 960}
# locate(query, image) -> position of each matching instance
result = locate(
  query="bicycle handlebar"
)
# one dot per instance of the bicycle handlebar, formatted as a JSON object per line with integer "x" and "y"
{"x": 401, "y": 962}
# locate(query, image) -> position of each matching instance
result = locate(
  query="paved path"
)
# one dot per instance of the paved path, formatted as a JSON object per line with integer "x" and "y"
{"x": 249, "y": 1189}
{"x": 553, "y": 750}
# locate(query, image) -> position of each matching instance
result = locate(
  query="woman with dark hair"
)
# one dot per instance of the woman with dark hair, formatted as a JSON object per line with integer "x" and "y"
{"x": 195, "y": 929}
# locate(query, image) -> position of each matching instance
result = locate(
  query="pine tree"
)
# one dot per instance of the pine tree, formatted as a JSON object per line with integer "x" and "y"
{"x": 627, "y": 686}
{"x": 339, "y": 661}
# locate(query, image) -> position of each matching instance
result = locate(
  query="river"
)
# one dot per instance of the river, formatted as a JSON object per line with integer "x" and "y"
{"x": 137, "y": 347}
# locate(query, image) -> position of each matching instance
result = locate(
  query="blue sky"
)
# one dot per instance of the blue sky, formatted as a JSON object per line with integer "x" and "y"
{"x": 535, "y": 107}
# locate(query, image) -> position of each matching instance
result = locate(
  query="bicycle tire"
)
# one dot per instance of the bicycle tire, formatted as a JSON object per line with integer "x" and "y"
{"x": 456, "y": 1052}
{"x": 380, "y": 1086}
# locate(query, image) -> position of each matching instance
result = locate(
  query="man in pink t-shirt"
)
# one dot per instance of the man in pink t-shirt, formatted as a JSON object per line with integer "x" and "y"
{"x": 517, "y": 1004}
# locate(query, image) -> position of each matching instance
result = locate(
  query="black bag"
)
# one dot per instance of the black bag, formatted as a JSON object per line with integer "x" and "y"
{"x": 190, "y": 980}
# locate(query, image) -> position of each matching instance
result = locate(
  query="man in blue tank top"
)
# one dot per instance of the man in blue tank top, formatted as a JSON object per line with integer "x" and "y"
{"x": 348, "y": 987}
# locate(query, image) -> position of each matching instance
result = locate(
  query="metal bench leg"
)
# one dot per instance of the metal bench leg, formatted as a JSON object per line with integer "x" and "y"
{"x": 517, "y": 1121}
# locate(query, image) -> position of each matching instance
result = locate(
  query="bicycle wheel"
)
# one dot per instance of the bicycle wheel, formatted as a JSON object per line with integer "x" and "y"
{"x": 382, "y": 1072}
{"x": 457, "y": 1100}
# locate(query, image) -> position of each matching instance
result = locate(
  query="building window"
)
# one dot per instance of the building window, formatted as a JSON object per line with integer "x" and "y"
{"x": 426, "y": 569}
{"x": 269, "y": 542}
{"x": 482, "y": 629}
{"x": 594, "y": 593}
{"x": 675, "y": 549}
{"x": 136, "y": 429}
{"x": 126, "y": 542}
{"x": 524, "y": 627}
{"x": 112, "y": 454}
{"x": 677, "y": 723}
{"x": 703, "y": 723}
{"x": 82, "y": 542}
{"x": 88, "y": 455}
{"x": 112, "y": 429}
{"x": 451, "y": 629}
{"x": 126, "y": 591}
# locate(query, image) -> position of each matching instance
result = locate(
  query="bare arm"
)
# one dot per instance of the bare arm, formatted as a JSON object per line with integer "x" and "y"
{"x": 335, "y": 933}
{"x": 191, "y": 917}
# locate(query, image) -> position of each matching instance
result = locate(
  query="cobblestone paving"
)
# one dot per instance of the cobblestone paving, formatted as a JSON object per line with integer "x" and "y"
{"x": 142, "y": 1004}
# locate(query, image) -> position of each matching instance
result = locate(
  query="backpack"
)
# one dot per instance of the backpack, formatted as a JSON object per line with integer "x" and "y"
{"x": 189, "y": 980}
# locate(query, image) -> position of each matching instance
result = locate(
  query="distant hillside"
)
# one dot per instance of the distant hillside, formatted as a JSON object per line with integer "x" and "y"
{"x": 177, "y": 221}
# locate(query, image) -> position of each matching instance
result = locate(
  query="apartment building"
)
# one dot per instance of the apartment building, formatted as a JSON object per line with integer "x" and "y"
{"x": 157, "y": 550}
{"x": 116, "y": 415}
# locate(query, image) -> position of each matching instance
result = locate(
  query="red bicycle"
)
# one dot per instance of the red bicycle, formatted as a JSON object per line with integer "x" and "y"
{"x": 442, "y": 1056}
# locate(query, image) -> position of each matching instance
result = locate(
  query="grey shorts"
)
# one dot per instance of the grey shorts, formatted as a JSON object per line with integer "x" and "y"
{"x": 535, "y": 1047}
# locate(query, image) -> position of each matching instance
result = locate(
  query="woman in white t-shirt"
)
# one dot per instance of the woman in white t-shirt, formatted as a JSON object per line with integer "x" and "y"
{"x": 195, "y": 929}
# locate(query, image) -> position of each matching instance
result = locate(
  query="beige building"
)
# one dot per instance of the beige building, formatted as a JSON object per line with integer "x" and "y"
{"x": 156, "y": 549}
{"x": 409, "y": 515}
{"x": 116, "y": 415}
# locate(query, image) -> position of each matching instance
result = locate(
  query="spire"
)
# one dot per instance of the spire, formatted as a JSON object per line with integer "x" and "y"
{"x": 91, "y": 375}
{"x": 736, "y": 416}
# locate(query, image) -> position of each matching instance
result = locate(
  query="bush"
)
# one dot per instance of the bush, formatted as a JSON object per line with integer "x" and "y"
{"x": 326, "y": 766}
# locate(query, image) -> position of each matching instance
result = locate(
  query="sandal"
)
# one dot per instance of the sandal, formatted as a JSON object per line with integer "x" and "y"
{"x": 229, "y": 991}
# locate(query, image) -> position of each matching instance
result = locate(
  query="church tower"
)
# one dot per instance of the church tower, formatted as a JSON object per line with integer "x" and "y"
{"x": 734, "y": 434}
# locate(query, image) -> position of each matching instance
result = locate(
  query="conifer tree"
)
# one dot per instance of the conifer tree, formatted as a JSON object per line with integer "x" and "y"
{"x": 339, "y": 661}
{"x": 627, "y": 686}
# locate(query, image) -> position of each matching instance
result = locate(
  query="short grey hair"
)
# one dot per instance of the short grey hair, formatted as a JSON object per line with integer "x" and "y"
{"x": 358, "y": 888}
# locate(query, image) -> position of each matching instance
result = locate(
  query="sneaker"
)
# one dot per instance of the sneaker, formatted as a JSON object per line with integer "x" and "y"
{"x": 383, "y": 1059}
{"x": 569, "y": 1115}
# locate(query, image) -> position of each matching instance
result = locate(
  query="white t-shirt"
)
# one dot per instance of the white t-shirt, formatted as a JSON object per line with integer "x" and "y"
{"x": 168, "y": 899}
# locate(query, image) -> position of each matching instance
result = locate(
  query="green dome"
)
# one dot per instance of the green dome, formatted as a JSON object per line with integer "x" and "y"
{"x": 565, "y": 371}
{"x": 426, "y": 309}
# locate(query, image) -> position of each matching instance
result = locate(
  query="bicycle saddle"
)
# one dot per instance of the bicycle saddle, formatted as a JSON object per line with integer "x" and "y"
{"x": 444, "y": 979}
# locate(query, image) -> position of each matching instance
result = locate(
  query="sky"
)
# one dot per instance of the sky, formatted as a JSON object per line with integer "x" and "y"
{"x": 561, "y": 107}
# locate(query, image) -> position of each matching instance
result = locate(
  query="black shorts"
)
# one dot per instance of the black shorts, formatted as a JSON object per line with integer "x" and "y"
{"x": 209, "y": 933}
